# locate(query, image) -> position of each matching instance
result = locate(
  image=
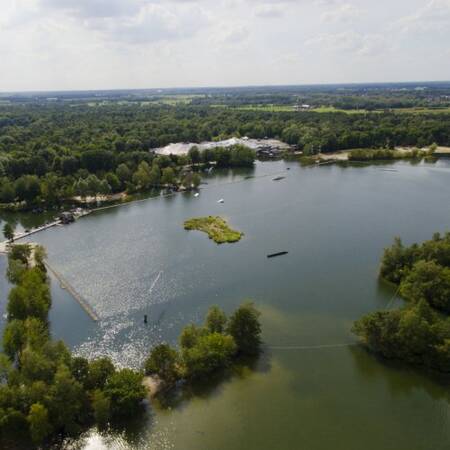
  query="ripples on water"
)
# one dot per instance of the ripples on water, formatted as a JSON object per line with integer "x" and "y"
{"x": 137, "y": 260}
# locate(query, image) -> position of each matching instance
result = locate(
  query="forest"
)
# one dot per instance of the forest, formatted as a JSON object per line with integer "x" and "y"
{"x": 419, "y": 332}
{"x": 51, "y": 151}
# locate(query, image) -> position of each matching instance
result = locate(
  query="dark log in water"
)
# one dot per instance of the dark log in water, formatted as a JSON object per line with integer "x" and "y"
{"x": 273, "y": 255}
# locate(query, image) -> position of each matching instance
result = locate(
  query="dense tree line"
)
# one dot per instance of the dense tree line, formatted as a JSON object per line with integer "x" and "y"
{"x": 207, "y": 349}
{"x": 45, "y": 391}
{"x": 51, "y": 152}
{"x": 420, "y": 332}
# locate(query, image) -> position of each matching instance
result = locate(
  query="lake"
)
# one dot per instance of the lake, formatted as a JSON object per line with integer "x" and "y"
{"x": 309, "y": 390}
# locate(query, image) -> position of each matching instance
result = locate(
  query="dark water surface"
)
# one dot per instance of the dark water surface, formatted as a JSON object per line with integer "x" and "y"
{"x": 335, "y": 222}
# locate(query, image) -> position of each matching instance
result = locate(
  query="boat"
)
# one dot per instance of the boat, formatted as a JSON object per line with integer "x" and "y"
{"x": 273, "y": 255}
{"x": 221, "y": 201}
{"x": 196, "y": 194}
{"x": 278, "y": 178}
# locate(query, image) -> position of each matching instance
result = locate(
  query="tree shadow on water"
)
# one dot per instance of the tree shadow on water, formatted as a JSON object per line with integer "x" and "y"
{"x": 213, "y": 385}
{"x": 402, "y": 379}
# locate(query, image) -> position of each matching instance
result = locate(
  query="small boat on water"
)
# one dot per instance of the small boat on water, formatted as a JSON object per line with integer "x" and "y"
{"x": 196, "y": 194}
{"x": 278, "y": 178}
{"x": 221, "y": 201}
{"x": 273, "y": 255}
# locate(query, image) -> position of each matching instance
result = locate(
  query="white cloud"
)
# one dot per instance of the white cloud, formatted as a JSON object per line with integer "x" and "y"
{"x": 434, "y": 16}
{"x": 341, "y": 13}
{"x": 82, "y": 44}
{"x": 232, "y": 34}
{"x": 349, "y": 42}
{"x": 152, "y": 23}
{"x": 269, "y": 11}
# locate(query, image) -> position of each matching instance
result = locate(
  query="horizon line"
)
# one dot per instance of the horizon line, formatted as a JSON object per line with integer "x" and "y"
{"x": 242, "y": 86}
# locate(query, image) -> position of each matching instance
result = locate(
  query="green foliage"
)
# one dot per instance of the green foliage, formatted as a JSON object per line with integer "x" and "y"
{"x": 211, "y": 352}
{"x": 245, "y": 328}
{"x": 163, "y": 361}
{"x": 194, "y": 154}
{"x": 415, "y": 333}
{"x": 31, "y": 297}
{"x": 168, "y": 176}
{"x": 125, "y": 390}
{"x": 101, "y": 404}
{"x": 8, "y": 232}
{"x": 208, "y": 349}
{"x": 39, "y": 423}
{"x": 189, "y": 336}
{"x": 21, "y": 252}
{"x": 215, "y": 227}
{"x": 429, "y": 281}
{"x": 99, "y": 372}
{"x": 15, "y": 271}
{"x": 215, "y": 320}
{"x": 44, "y": 390}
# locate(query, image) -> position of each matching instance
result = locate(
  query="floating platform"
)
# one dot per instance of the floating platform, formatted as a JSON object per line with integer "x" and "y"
{"x": 274, "y": 255}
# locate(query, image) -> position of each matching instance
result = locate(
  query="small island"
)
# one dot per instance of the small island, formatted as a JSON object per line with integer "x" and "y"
{"x": 215, "y": 227}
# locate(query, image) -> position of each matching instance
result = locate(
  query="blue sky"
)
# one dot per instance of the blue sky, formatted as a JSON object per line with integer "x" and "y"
{"x": 104, "y": 44}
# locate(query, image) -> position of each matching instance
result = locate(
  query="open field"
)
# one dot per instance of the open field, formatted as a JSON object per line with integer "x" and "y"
{"x": 332, "y": 109}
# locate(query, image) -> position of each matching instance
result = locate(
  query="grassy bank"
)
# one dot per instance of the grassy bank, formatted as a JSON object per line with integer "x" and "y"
{"x": 215, "y": 227}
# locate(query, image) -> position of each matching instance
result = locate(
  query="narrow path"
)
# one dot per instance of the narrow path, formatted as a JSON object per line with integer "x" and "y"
{"x": 66, "y": 285}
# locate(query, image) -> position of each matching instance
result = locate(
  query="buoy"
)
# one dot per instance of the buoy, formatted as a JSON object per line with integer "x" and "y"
{"x": 145, "y": 318}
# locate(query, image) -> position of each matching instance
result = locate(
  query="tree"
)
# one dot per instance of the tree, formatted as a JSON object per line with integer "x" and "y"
{"x": 99, "y": 372}
{"x": 163, "y": 362}
{"x": 141, "y": 177}
{"x": 189, "y": 336}
{"x": 7, "y": 192}
{"x": 430, "y": 281}
{"x": 66, "y": 401}
{"x": 155, "y": 175}
{"x": 125, "y": 390}
{"x": 40, "y": 256}
{"x": 8, "y": 232}
{"x": 123, "y": 173}
{"x": 194, "y": 154}
{"x": 101, "y": 405}
{"x": 20, "y": 252}
{"x": 15, "y": 271}
{"x": 39, "y": 423}
{"x": 94, "y": 185}
{"x": 168, "y": 176}
{"x": 245, "y": 328}
{"x": 14, "y": 338}
{"x": 215, "y": 320}
{"x": 113, "y": 181}
{"x": 196, "y": 180}
{"x": 211, "y": 352}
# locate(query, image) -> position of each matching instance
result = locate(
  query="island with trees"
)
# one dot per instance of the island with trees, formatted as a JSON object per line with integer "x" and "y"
{"x": 419, "y": 332}
{"x": 215, "y": 227}
{"x": 48, "y": 394}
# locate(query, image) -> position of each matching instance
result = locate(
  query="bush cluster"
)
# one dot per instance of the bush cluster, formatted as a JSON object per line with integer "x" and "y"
{"x": 207, "y": 349}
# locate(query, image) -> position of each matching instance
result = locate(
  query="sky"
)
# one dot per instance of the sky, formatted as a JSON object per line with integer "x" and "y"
{"x": 121, "y": 44}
